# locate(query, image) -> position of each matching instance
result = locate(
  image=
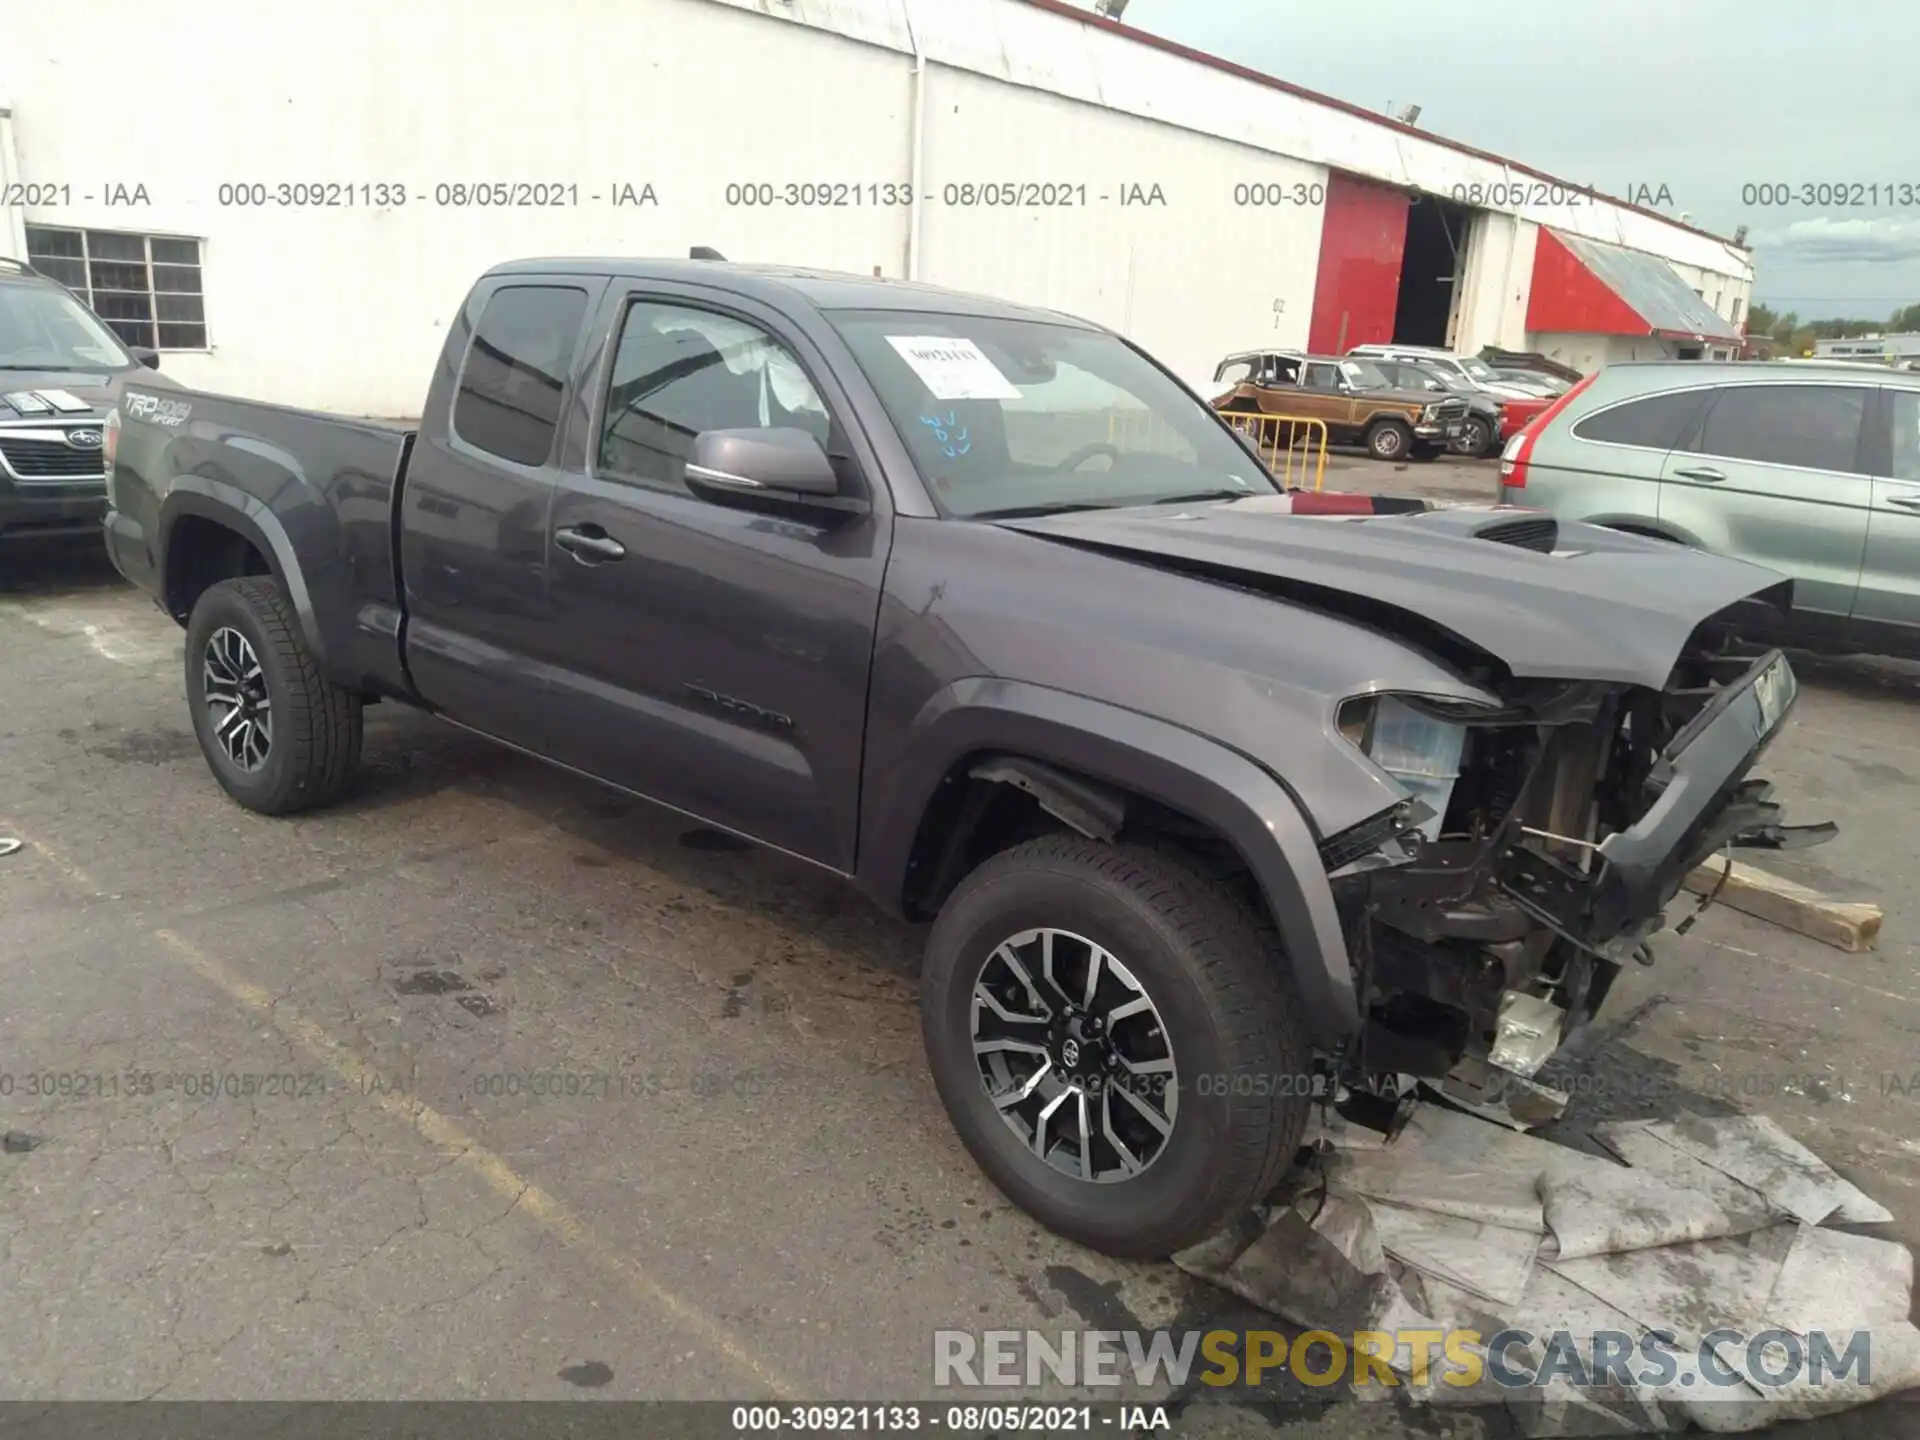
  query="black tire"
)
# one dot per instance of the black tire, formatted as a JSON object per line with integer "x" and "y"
{"x": 1218, "y": 982}
{"x": 316, "y": 725}
{"x": 1389, "y": 440}
{"x": 1475, "y": 439}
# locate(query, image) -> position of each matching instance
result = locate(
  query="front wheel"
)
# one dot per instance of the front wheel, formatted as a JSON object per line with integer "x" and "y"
{"x": 1116, "y": 1041}
{"x": 1389, "y": 440}
{"x": 1475, "y": 438}
{"x": 277, "y": 734}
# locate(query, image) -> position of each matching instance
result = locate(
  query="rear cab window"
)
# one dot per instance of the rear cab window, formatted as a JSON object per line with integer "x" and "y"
{"x": 514, "y": 376}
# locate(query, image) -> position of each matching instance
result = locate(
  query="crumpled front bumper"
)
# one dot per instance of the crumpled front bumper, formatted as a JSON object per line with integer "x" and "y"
{"x": 1705, "y": 801}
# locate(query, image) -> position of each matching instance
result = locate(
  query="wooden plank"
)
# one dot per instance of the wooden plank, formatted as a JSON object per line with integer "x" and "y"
{"x": 1845, "y": 926}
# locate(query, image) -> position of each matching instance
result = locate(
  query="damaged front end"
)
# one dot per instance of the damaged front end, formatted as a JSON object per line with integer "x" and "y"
{"x": 1540, "y": 843}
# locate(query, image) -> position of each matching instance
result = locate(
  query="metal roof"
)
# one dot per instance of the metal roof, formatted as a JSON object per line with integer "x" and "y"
{"x": 1387, "y": 122}
{"x": 1651, "y": 287}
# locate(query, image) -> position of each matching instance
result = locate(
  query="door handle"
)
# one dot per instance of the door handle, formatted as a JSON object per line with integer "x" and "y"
{"x": 1905, "y": 502}
{"x": 1702, "y": 472}
{"x": 589, "y": 544}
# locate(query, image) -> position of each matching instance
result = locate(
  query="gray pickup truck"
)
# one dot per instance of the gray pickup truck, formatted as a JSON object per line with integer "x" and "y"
{"x": 1215, "y": 805}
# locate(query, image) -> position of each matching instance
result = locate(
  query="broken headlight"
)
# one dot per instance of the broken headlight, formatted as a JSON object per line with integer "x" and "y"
{"x": 1417, "y": 740}
{"x": 1775, "y": 689}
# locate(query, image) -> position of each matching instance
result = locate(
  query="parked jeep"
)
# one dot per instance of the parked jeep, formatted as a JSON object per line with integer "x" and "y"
{"x": 1358, "y": 404}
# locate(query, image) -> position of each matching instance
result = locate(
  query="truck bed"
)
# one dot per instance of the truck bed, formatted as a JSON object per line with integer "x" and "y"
{"x": 310, "y": 485}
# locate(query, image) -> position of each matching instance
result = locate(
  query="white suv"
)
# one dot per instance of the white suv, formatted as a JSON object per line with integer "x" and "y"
{"x": 1476, "y": 373}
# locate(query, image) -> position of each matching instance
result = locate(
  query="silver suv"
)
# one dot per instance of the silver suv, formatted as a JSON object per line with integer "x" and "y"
{"x": 1811, "y": 470}
{"x": 1472, "y": 372}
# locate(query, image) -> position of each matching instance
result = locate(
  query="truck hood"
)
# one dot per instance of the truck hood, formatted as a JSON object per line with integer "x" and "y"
{"x": 1546, "y": 599}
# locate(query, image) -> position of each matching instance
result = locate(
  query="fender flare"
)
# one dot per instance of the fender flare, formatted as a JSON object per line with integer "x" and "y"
{"x": 228, "y": 505}
{"x": 990, "y": 718}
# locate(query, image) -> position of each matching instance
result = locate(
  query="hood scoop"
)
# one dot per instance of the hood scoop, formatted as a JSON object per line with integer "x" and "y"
{"x": 1536, "y": 532}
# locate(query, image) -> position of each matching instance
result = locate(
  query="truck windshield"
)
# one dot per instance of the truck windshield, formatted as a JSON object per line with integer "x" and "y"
{"x": 1007, "y": 417}
{"x": 42, "y": 328}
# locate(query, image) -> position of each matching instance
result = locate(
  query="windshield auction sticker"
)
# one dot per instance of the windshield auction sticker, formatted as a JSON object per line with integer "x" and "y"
{"x": 953, "y": 367}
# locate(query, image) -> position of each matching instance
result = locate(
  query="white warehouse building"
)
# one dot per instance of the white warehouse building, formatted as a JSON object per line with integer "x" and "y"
{"x": 300, "y": 217}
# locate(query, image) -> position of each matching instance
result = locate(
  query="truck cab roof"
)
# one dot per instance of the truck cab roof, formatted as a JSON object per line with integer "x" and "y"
{"x": 819, "y": 289}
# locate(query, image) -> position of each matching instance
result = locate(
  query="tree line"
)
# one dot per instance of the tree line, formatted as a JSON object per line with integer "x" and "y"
{"x": 1796, "y": 335}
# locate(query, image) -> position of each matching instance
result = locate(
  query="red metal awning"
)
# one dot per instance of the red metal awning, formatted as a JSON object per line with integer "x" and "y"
{"x": 1588, "y": 287}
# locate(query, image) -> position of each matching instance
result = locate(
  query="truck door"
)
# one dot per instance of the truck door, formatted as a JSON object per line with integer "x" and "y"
{"x": 710, "y": 657}
{"x": 1890, "y": 577}
{"x": 473, "y": 535}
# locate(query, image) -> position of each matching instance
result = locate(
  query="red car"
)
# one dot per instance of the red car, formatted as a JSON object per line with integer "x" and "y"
{"x": 1516, "y": 415}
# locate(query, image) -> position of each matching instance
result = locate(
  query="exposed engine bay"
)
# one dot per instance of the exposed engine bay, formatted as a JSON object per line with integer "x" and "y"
{"x": 1489, "y": 915}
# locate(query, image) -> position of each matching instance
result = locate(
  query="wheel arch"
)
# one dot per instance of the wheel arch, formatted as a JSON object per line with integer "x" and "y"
{"x": 198, "y": 503}
{"x": 1082, "y": 760}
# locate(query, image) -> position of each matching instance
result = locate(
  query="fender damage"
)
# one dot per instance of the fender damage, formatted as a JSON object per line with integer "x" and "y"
{"x": 1488, "y": 913}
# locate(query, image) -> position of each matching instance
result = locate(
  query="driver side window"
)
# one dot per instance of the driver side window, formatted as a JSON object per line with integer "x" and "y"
{"x": 1323, "y": 377}
{"x": 679, "y": 371}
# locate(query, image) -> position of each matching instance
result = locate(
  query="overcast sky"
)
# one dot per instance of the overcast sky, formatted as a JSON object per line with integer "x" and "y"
{"x": 1701, "y": 96}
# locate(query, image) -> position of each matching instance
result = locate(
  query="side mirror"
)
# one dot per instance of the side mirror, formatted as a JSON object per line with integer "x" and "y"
{"x": 148, "y": 358}
{"x": 772, "y": 463}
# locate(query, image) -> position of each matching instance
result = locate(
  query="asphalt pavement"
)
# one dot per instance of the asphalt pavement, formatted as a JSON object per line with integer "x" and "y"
{"x": 491, "y": 1084}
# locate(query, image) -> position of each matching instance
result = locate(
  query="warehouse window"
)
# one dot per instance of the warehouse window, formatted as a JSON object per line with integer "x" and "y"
{"x": 146, "y": 287}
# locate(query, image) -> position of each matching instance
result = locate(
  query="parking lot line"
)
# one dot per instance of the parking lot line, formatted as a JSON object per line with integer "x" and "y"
{"x": 1791, "y": 964}
{"x": 525, "y": 1196}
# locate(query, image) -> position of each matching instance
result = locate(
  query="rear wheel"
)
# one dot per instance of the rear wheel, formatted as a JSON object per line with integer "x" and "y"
{"x": 277, "y": 734}
{"x": 1389, "y": 440}
{"x": 1117, "y": 1042}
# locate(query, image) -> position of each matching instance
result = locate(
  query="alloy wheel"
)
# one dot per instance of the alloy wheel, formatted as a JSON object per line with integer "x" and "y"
{"x": 1074, "y": 1054}
{"x": 237, "y": 699}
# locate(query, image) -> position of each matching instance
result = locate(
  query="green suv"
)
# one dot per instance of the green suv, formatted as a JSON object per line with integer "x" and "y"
{"x": 1811, "y": 470}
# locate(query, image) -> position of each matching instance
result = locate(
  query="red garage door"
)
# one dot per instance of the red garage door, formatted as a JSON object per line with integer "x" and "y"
{"x": 1362, "y": 242}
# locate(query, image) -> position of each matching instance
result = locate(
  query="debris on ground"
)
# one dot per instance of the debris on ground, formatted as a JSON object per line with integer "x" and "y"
{"x": 1845, "y": 925}
{"x": 18, "y": 1142}
{"x": 9, "y": 845}
{"x": 1710, "y": 1224}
